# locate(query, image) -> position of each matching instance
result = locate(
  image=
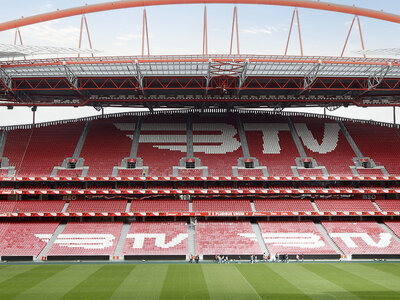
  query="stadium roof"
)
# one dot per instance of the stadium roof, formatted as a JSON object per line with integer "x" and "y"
{"x": 10, "y": 51}
{"x": 247, "y": 80}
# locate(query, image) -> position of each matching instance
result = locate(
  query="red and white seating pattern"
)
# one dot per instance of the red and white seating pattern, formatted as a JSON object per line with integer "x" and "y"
{"x": 228, "y": 238}
{"x": 25, "y": 238}
{"x": 105, "y": 146}
{"x": 31, "y": 206}
{"x": 221, "y": 205}
{"x": 40, "y": 158}
{"x": 130, "y": 172}
{"x": 88, "y": 238}
{"x": 157, "y": 238}
{"x": 370, "y": 172}
{"x": 270, "y": 141}
{"x": 97, "y": 206}
{"x": 162, "y": 143}
{"x": 216, "y": 142}
{"x": 388, "y": 205}
{"x": 310, "y": 172}
{"x": 280, "y": 205}
{"x": 324, "y": 141}
{"x": 361, "y": 238}
{"x": 345, "y": 205}
{"x": 294, "y": 238}
{"x": 379, "y": 143}
{"x": 161, "y": 205}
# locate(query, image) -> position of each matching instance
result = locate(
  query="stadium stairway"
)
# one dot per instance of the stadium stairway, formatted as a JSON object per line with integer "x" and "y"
{"x": 50, "y": 243}
{"x": 259, "y": 237}
{"x": 388, "y": 230}
{"x": 128, "y": 206}
{"x": 253, "y": 207}
{"x": 3, "y": 138}
{"x": 189, "y": 136}
{"x": 81, "y": 142}
{"x": 191, "y": 228}
{"x": 65, "y": 207}
{"x": 377, "y": 206}
{"x": 315, "y": 206}
{"x": 121, "y": 241}
{"x": 135, "y": 139}
{"x": 325, "y": 234}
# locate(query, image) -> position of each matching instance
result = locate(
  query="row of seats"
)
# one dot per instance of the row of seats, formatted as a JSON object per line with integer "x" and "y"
{"x": 211, "y": 238}
{"x": 208, "y": 205}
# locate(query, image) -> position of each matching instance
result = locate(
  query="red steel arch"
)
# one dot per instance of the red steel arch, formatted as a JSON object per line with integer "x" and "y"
{"x": 59, "y": 14}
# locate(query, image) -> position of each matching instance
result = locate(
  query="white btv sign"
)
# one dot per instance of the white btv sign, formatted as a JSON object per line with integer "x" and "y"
{"x": 220, "y": 138}
{"x": 289, "y": 239}
{"x": 81, "y": 240}
{"x": 159, "y": 239}
{"x": 348, "y": 239}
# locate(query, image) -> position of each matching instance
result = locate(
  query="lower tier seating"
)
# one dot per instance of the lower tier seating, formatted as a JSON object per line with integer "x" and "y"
{"x": 345, "y": 205}
{"x": 394, "y": 226}
{"x": 362, "y": 238}
{"x": 97, "y": 206}
{"x": 227, "y": 238}
{"x": 88, "y": 238}
{"x": 294, "y": 238}
{"x": 160, "y": 205}
{"x": 157, "y": 238}
{"x": 221, "y": 205}
{"x": 275, "y": 205}
{"x": 25, "y": 238}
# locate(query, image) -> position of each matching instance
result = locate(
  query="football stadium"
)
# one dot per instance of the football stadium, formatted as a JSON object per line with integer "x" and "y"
{"x": 214, "y": 181}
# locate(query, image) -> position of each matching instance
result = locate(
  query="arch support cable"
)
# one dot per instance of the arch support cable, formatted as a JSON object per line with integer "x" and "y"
{"x": 235, "y": 20}
{"x": 348, "y": 35}
{"x": 84, "y": 24}
{"x": 295, "y": 14}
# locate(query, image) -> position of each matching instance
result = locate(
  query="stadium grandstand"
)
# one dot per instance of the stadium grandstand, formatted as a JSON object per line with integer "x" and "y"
{"x": 215, "y": 165}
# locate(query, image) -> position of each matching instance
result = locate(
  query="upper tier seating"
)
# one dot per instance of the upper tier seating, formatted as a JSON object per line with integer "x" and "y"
{"x": 379, "y": 143}
{"x": 47, "y": 148}
{"x": 25, "y": 238}
{"x": 157, "y": 238}
{"x": 87, "y": 238}
{"x": 221, "y": 205}
{"x": 162, "y": 142}
{"x": 294, "y": 238}
{"x": 227, "y": 238}
{"x": 362, "y": 238}
{"x": 31, "y": 206}
{"x": 275, "y": 205}
{"x": 97, "y": 206}
{"x": 106, "y": 145}
{"x": 310, "y": 172}
{"x": 345, "y": 205}
{"x": 389, "y": 205}
{"x": 160, "y": 205}
{"x": 324, "y": 141}
{"x": 216, "y": 142}
{"x": 270, "y": 141}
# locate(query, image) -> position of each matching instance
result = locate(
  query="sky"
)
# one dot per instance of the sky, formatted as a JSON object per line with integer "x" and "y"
{"x": 177, "y": 29}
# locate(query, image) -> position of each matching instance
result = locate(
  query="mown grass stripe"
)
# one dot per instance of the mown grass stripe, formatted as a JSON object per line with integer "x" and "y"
{"x": 19, "y": 283}
{"x": 374, "y": 275}
{"x": 8, "y": 272}
{"x": 268, "y": 283}
{"x": 56, "y": 286}
{"x": 310, "y": 283}
{"x": 101, "y": 284}
{"x": 390, "y": 269}
{"x": 222, "y": 287}
{"x": 361, "y": 287}
{"x": 143, "y": 282}
{"x": 184, "y": 282}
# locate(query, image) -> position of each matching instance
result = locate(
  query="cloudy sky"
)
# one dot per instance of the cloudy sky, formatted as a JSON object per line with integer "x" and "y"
{"x": 178, "y": 30}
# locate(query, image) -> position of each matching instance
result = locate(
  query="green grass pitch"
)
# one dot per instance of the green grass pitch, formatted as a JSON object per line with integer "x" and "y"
{"x": 203, "y": 281}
